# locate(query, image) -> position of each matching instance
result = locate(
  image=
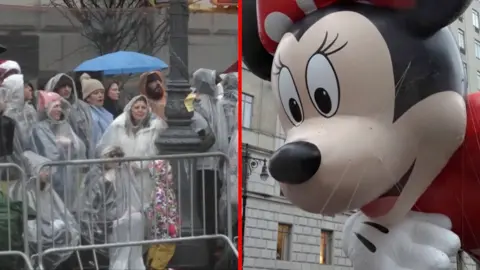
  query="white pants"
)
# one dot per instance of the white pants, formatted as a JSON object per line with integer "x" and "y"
{"x": 125, "y": 258}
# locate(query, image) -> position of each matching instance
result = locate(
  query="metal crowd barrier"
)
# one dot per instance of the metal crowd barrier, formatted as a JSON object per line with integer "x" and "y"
{"x": 6, "y": 173}
{"x": 106, "y": 206}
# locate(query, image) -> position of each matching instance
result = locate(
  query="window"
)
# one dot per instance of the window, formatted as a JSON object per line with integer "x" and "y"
{"x": 247, "y": 107}
{"x": 283, "y": 241}
{"x": 326, "y": 247}
{"x": 478, "y": 80}
{"x": 281, "y": 193}
{"x": 477, "y": 49}
{"x": 461, "y": 40}
{"x": 465, "y": 70}
{"x": 475, "y": 20}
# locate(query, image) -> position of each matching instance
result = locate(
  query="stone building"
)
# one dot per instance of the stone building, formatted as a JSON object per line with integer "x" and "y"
{"x": 44, "y": 40}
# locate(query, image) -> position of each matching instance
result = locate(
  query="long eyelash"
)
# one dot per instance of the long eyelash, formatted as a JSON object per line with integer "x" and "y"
{"x": 324, "y": 47}
{"x": 278, "y": 66}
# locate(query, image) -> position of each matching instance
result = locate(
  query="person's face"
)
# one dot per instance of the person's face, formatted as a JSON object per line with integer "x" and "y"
{"x": 65, "y": 91}
{"x": 56, "y": 112}
{"x": 139, "y": 110}
{"x": 96, "y": 98}
{"x": 155, "y": 85}
{"x": 114, "y": 154}
{"x": 27, "y": 92}
{"x": 155, "y": 90}
{"x": 113, "y": 92}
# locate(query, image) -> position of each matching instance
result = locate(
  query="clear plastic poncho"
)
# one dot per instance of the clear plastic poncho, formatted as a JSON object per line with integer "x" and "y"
{"x": 212, "y": 110}
{"x": 225, "y": 201}
{"x": 80, "y": 118}
{"x": 55, "y": 226}
{"x": 53, "y": 138}
{"x": 136, "y": 140}
{"x": 12, "y": 91}
{"x": 24, "y": 115}
{"x": 229, "y": 97}
{"x": 110, "y": 210}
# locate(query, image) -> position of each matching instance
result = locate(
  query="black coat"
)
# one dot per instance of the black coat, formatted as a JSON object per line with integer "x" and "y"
{"x": 7, "y": 132}
{"x": 112, "y": 106}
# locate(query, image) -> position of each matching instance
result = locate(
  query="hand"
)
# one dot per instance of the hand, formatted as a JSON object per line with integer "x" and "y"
{"x": 158, "y": 108}
{"x": 136, "y": 166}
{"x": 43, "y": 178}
{"x": 64, "y": 141}
{"x": 420, "y": 242}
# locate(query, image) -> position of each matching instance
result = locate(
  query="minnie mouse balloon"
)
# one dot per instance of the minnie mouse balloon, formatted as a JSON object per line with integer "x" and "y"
{"x": 372, "y": 97}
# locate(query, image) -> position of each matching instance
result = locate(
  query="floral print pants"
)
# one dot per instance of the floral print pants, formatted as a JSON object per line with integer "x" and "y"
{"x": 163, "y": 214}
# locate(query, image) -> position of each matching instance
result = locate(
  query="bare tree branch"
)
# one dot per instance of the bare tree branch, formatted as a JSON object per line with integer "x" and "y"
{"x": 114, "y": 25}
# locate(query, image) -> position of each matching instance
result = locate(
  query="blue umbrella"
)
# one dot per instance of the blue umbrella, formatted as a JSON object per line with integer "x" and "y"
{"x": 122, "y": 62}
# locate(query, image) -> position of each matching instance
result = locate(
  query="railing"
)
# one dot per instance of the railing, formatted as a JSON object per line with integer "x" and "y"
{"x": 110, "y": 208}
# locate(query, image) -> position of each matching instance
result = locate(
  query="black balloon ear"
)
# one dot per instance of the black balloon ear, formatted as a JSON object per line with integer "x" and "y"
{"x": 429, "y": 16}
{"x": 255, "y": 57}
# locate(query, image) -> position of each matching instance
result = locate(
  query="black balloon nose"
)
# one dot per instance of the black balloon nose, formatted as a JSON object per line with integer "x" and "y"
{"x": 295, "y": 163}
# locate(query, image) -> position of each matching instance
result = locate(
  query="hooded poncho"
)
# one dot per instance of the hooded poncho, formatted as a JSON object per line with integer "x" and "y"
{"x": 80, "y": 118}
{"x": 136, "y": 140}
{"x": 56, "y": 141}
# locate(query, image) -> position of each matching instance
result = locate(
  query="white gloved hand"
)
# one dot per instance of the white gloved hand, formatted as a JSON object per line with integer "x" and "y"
{"x": 420, "y": 242}
{"x": 63, "y": 141}
{"x": 136, "y": 165}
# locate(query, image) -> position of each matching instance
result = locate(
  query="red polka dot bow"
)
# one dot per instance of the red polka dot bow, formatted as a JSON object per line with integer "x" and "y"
{"x": 276, "y": 16}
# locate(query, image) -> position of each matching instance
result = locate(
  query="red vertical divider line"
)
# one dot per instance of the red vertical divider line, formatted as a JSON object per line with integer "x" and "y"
{"x": 239, "y": 152}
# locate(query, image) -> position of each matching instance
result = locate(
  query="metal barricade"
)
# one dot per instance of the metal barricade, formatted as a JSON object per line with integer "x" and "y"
{"x": 107, "y": 203}
{"x": 17, "y": 250}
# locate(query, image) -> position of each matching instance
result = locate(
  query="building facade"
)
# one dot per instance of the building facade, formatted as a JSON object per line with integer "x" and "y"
{"x": 466, "y": 31}
{"x": 45, "y": 39}
{"x": 281, "y": 236}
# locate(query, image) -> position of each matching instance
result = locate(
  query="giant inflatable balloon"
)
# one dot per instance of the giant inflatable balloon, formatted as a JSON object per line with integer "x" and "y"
{"x": 372, "y": 97}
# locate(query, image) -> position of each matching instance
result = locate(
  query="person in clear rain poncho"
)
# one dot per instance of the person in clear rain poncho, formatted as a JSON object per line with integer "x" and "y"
{"x": 53, "y": 138}
{"x": 110, "y": 209}
{"x": 80, "y": 118}
{"x": 55, "y": 226}
{"x": 228, "y": 96}
{"x": 135, "y": 130}
{"x": 225, "y": 202}
{"x": 14, "y": 106}
{"x": 209, "y": 169}
{"x": 17, "y": 108}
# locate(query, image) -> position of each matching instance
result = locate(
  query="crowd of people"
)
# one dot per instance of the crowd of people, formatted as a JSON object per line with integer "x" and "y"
{"x": 110, "y": 202}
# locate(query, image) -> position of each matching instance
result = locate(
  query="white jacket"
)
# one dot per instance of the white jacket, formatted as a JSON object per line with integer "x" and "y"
{"x": 139, "y": 144}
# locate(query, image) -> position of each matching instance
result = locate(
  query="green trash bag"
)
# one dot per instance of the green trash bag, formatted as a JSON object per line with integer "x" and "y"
{"x": 15, "y": 219}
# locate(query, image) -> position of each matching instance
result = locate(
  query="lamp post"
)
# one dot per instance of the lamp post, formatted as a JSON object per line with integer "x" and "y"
{"x": 179, "y": 137}
{"x": 249, "y": 164}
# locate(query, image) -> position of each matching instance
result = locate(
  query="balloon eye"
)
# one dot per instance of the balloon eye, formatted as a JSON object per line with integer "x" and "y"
{"x": 289, "y": 97}
{"x": 322, "y": 84}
